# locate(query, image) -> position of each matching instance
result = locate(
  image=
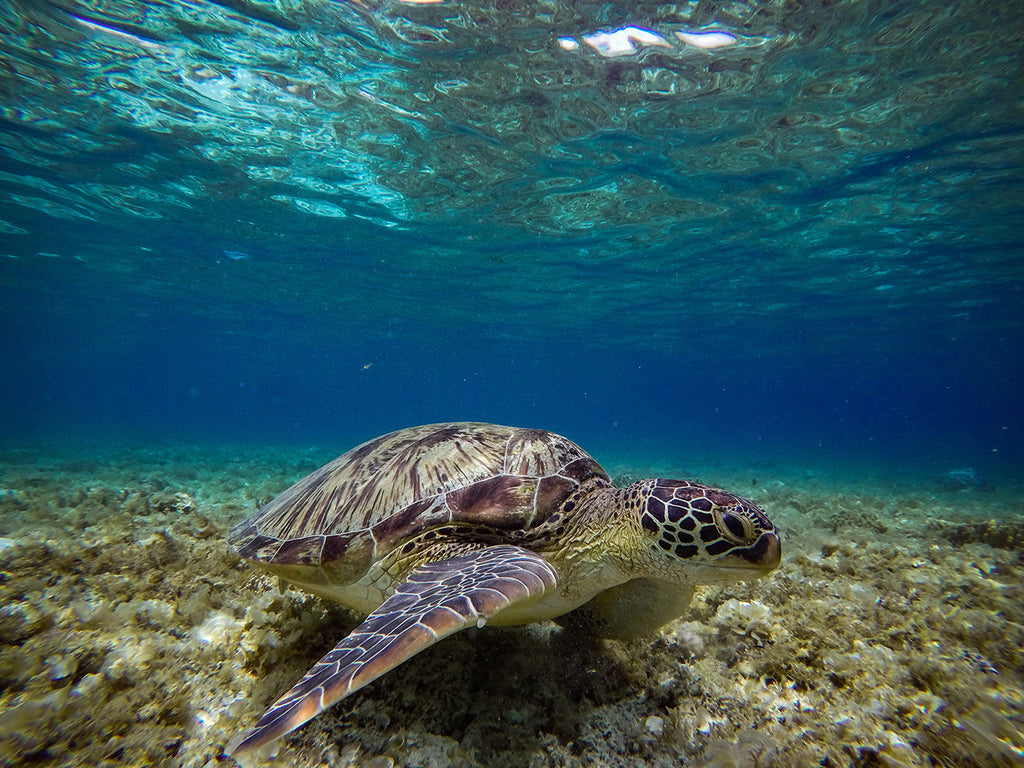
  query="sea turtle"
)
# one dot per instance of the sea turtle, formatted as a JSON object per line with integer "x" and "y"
{"x": 437, "y": 528}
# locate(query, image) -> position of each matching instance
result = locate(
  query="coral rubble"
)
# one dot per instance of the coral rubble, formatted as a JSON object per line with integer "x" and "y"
{"x": 130, "y": 635}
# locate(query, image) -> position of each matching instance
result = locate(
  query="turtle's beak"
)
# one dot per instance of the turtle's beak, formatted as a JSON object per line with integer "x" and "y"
{"x": 763, "y": 555}
{"x": 771, "y": 550}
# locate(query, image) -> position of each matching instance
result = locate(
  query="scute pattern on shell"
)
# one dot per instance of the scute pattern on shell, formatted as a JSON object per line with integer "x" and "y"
{"x": 394, "y": 486}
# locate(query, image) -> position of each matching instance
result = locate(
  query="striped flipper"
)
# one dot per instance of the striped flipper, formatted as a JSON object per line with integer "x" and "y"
{"x": 438, "y": 599}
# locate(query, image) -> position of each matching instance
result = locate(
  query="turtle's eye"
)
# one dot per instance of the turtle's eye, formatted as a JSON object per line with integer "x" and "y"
{"x": 734, "y": 527}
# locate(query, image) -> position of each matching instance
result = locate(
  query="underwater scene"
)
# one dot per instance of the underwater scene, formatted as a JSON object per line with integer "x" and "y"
{"x": 743, "y": 283}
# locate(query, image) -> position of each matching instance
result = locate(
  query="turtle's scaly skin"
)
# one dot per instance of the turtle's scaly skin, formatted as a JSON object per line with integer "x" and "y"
{"x": 433, "y": 529}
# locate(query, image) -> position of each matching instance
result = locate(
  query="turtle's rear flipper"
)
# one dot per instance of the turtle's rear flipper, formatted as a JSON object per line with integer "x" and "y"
{"x": 438, "y": 599}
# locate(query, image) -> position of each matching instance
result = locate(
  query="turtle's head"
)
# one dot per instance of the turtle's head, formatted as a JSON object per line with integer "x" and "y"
{"x": 702, "y": 533}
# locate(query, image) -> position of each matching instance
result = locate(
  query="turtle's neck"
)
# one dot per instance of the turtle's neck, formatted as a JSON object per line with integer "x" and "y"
{"x": 599, "y": 502}
{"x": 599, "y": 541}
{"x": 595, "y": 522}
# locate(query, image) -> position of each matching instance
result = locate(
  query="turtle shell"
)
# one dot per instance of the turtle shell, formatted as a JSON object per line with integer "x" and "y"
{"x": 332, "y": 525}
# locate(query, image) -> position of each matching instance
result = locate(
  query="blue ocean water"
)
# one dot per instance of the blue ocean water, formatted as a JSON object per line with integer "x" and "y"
{"x": 774, "y": 245}
{"x": 795, "y": 240}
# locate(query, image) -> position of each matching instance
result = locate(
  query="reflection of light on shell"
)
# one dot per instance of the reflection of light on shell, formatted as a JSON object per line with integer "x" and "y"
{"x": 621, "y": 41}
{"x": 707, "y": 40}
{"x": 568, "y": 44}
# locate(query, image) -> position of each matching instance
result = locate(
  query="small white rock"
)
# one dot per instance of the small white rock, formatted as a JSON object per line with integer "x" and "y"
{"x": 655, "y": 725}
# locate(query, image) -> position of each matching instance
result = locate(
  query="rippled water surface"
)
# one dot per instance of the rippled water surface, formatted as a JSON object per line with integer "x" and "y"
{"x": 504, "y": 208}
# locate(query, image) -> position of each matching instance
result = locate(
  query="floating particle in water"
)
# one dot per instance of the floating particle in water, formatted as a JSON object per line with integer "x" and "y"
{"x": 237, "y": 255}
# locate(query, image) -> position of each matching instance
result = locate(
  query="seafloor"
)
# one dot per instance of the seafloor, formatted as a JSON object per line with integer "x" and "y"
{"x": 130, "y": 635}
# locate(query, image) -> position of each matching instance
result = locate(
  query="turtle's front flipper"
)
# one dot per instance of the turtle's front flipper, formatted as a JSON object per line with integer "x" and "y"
{"x": 437, "y": 599}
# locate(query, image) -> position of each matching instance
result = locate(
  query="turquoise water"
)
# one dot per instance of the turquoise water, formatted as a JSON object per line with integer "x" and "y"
{"x": 315, "y": 220}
